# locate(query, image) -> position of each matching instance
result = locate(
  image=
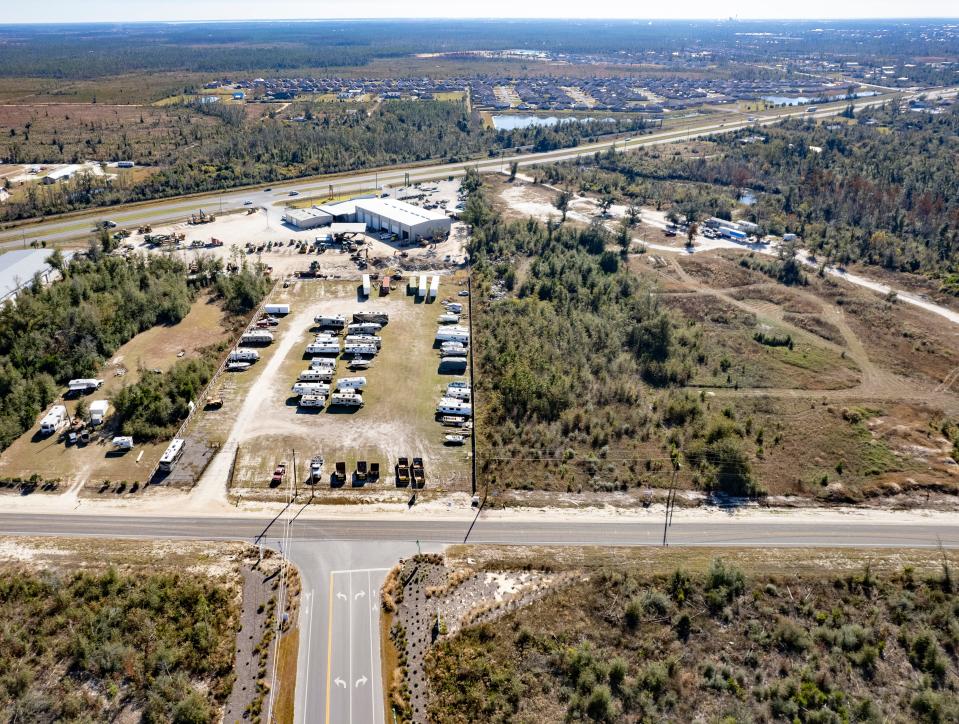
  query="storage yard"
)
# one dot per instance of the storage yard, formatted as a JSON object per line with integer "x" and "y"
{"x": 352, "y": 379}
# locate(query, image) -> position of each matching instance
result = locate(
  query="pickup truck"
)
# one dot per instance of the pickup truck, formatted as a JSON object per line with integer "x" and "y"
{"x": 278, "y": 474}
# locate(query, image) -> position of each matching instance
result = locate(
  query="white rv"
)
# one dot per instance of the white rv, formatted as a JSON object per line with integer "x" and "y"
{"x": 346, "y": 399}
{"x": 98, "y": 411}
{"x": 316, "y": 375}
{"x": 123, "y": 442}
{"x": 369, "y": 349}
{"x": 244, "y": 355}
{"x": 323, "y": 348}
{"x": 259, "y": 336}
{"x": 453, "y": 334}
{"x": 453, "y": 406}
{"x": 172, "y": 454}
{"x": 366, "y": 285}
{"x": 449, "y": 318}
{"x": 434, "y": 288}
{"x": 53, "y": 420}
{"x": 276, "y": 308}
{"x": 84, "y": 386}
{"x": 312, "y": 400}
{"x": 336, "y": 321}
{"x": 459, "y": 393}
{"x": 364, "y": 328}
{"x": 322, "y": 363}
{"x": 310, "y": 388}
{"x": 364, "y": 339}
{"x": 350, "y": 383}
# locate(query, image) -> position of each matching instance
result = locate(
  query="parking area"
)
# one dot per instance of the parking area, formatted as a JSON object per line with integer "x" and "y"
{"x": 397, "y": 419}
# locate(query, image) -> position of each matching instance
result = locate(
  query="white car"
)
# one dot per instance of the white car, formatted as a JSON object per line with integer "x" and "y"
{"x": 464, "y": 293}
{"x": 248, "y": 203}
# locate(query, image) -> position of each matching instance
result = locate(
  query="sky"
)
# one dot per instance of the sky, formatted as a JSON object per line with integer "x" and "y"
{"x": 171, "y": 10}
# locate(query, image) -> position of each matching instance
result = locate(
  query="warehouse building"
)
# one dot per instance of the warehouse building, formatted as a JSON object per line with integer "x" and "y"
{"x": 397, "y": 217}
{"x": 307, "y": 218}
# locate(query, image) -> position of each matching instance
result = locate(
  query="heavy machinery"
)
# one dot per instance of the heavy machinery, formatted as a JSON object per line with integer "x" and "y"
{"x": 403, "y": 472}
{"x": 418, "y": 473}
{"x": 201, "y": 217}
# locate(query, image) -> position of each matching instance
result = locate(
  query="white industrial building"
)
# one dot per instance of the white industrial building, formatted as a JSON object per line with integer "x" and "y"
{"x": 309, "y": 218}
{"x": 407, "y": 221}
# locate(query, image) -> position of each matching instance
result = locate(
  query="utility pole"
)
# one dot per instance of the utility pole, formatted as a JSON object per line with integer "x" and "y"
{"x": 670, "y": 497}
{"x": 296, "y": 491}
{"x": 469, "y": 307}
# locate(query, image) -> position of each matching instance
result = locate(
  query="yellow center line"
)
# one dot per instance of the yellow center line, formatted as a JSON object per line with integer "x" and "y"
{"x": 329, "y": 649}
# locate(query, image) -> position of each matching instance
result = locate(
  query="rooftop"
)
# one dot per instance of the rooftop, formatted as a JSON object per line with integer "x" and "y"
{"x": 18, "y": 267}
{"x": 399, "y": 211}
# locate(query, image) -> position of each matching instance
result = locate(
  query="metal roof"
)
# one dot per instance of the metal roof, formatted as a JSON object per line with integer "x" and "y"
{"x": 18, "y": 267}
{"x": 400, "y": 211}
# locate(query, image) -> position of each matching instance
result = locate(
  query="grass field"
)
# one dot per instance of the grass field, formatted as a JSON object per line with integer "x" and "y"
{"x": 157, "y": 348}
{"x": 397, "y": 419}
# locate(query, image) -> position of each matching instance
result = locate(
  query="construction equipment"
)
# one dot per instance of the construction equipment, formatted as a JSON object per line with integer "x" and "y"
{"x": 214, "y": 402}
{"x": 145, "y": 229}
{"x": 201, "y": 217}
{"x": 418, "y": 473}
{"x": 340, "y": 472}
{"x": 403, "y": 472}
{"x": 361, "y": 470}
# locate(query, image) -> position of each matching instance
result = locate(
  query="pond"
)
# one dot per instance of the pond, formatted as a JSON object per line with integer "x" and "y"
{"x": 511, "y": 122}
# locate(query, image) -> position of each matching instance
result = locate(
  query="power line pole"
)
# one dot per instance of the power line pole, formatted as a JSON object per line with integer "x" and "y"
{"x": 670, "y": 497}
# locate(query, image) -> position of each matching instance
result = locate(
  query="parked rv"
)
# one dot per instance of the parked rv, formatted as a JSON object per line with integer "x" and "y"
{"x": 53, "y": 420}
{"x": 122, "y": 442}
{"x": 449, "y": 318}
{"x": 453, "y": 406}
{"x": 173, "y": 453}
{"x": 244, "y": 355}
{"x": 276, "y": 308}
{"x": 312, "y": 400}
{"x": 260, "y": 336}
{"x": 310, "y": 388}
{"x": 351, "y": 383}
{"x": 98, "y": 411}
{"x": 362, "y": 349}
{"x": 363, "y": 339}
{"x": 84, "y": 386}
{"x": 346, "y": 399}
{"x": 381, "y": 318}
{"x": 364, "y": 328}
{"x": 316, "y": 375}
{"x": 337, "y": 321}
{"x": 323, "y": 348}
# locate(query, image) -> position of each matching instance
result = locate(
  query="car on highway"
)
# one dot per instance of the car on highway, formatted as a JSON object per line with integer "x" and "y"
{"x": 294, "y": 193}
{"x": 248, "y": 203}
{"x": 268, "y": 188}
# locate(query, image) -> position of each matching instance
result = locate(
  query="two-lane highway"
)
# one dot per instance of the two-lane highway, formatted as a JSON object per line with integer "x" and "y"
{"x": 79, "y": 225}
{"x": 342, "y": 563}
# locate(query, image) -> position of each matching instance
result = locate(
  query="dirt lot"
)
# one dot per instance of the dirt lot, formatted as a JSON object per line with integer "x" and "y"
{"x": 93, "y": 464}
{"x": 265, "y": 226}
{"x": 403, "y": 386}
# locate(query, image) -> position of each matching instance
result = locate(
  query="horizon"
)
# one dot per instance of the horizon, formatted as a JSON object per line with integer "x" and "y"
{"x": 60, "y": 12}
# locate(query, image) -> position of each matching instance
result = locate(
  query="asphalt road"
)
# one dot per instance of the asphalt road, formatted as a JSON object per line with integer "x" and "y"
{"x": 343, "y": 562}
{"x": 74, "y": 226}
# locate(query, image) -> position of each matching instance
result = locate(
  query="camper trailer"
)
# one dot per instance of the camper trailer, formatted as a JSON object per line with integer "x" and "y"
{"x": 459, "y": 393}
{"x": 323, "y": 348}
{"x": 453, "y": 365}
{"x": 346, "y": 399}
{"x": 244, "y": 355}
{"x": 276, "y": 308}
{"x": 98, "y": 411}
{"x": 310, "y": 388}
{"x": 322, "y": 363}
{"x": 337, "y": 321}
{"x": 53, "y": 420}
{"x": 172, "y": 454}
{"x": 316, "y": 375}
{"x": 364, "y": 328}
{"x": 453, "y": 406}
{"x": 381, "y": 318}
{"x": 364, "y": 339}
{"x": 259, "y": 336}
{"x": 363, "y": 349}
{"x": 122, "y": 442}
{"x": 350, "y": 383}
{"x": 84, "y": 386}
{"x": 312, "y": 400}
{"x": 449, "y": 318}
{"x": 453, "y": 334}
